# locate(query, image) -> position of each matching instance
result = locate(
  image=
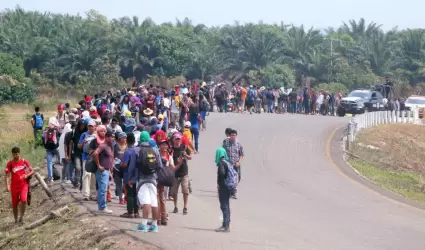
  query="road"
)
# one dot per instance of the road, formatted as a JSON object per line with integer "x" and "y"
{"x": 291, "y": 195}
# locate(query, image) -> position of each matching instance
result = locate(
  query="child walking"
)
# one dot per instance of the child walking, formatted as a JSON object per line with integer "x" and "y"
{"x": 18, "y": 171}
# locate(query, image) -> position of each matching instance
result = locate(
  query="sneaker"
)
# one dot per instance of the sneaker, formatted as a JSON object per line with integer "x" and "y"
{"x": 163, "y": 223}
{"x": 234, "y": 197}
{"x": 141, "y": 228}
{"x": 136, "y": 215}
{"x": 105, "y": 211}
{"x": 122, "y": 202}
{"x": 176, "y": 210}
{"x": 68, "y": 182}
{"x": 153, "y": 229}
{"x": 223, "y": 229}
{"x": 184, "y": 210}
{"x": 86, "y": 199}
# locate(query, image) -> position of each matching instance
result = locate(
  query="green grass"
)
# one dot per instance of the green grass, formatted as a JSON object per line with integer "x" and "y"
{"x": 404, "y": 183}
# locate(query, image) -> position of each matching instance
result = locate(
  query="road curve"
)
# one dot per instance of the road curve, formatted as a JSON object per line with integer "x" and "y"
{"x": 290, "y": 196}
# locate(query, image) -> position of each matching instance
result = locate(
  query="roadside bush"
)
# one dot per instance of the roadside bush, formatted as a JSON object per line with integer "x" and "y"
{"x": 12, "y": 91}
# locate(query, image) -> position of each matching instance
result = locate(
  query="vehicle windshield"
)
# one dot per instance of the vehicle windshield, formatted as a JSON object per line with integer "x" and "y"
{"x": 362, "y": 94}
{"x": 417, "y": 101}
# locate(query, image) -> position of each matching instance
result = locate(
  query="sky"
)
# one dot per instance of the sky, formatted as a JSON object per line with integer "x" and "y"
{"x": 320, "y": 14}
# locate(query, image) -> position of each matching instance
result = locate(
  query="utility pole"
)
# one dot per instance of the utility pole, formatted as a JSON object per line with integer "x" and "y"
{"x": 330, "y": 79}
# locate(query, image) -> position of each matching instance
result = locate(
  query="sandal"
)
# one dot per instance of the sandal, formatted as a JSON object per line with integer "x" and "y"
{"x": 127, "y": 215}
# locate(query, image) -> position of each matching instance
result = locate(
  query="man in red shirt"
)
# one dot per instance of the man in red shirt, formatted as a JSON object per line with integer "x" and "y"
{"x": 17, "y": 172}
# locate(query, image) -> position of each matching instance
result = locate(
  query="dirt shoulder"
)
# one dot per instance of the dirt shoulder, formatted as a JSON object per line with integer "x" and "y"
{"x": 392, "y": 157}
{"x": 75, "y": 229}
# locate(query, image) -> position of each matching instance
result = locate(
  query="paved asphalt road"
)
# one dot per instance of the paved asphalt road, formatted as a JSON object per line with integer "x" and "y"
{"x": 291, "y": 195}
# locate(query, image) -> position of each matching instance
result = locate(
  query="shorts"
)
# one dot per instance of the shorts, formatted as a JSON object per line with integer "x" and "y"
{"x": 203, "y": 115}
{"x": 148, "y": 195}
{"x": 184, "y": 182}
{"x": 249, "y": 103}
{"x": 19, "y": 195}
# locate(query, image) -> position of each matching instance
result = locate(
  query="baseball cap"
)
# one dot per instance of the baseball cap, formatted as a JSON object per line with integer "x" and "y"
{"x": 187, "y": 124}
{"x": 91, "y": 123}
{"x": 60, "y": 107}
{"x": 121, "y": 135}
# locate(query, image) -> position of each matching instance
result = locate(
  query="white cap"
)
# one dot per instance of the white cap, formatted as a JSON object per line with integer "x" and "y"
{"x": 187, "y": 124}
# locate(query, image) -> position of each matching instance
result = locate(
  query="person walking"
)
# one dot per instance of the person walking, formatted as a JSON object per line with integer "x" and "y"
{"x": 224, "y": 169}
{"x": 149, "y": 163}
{"x": 235, "y": 151}
{"x": 104, "y": 158}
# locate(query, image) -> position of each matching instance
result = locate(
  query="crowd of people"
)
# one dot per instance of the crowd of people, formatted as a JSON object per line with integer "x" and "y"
{"x": 255, "y": 99}
{"x": 141, "y": 139}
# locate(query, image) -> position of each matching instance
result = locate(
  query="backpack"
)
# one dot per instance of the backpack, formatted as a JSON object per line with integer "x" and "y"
{"x": 147, "y": 160}
{"x": 206, "y": 106}
{"x": 251, "y": 94}
{"x": 232, "y": 177}
{"x": 193, "y": 109}
{"x": 50, "y": 140}
{"x": 270, "y": 95}
{"x": 38, "y": 121}
{"x": 166, "y": 175}
{"x": 129, "y": 125}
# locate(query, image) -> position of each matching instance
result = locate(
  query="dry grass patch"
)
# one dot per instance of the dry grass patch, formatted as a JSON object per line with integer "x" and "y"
{"x": 396, "y": 146}
{"x": 392, "y": 157}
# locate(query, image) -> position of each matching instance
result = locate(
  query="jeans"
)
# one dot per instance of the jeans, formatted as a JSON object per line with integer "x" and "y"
{"x": 132, "y": 205}
{"x": 65, "y": 170}
{"x": 102, "y": 179}
{"x": 224, "y": 198}
{"x": 195, "y": 136}
{"x": 293, "y": 107}
{"x": 307, "y": 106}
{"x": 75, "y": 169}
{"x": 269, "y": 106}
{"x": 49, "y": 156}
{"x": 332, "y": 109}
{"x": 118, "y": 186}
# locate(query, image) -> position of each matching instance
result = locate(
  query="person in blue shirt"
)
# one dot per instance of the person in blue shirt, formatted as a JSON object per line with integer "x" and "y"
{"x": 194, "y": 118}
{"x": 130, "y": 160}
{"x": 88, "y": 181}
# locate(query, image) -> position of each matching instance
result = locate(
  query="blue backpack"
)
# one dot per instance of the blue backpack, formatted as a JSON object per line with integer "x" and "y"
{"x": 38, "y": 121}
{"x": 232, "y": 178}
{"x": 251, "y": 94}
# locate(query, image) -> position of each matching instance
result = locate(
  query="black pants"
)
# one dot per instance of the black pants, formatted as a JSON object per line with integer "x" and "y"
{"x": 224, "y": 198}
{"x": 132, "y": 206}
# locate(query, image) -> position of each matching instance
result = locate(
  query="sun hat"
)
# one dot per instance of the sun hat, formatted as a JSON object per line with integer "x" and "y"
{"x": 128, "y": 113}
{"x": 160, "y": 116}
{"x": 148, "y": 111}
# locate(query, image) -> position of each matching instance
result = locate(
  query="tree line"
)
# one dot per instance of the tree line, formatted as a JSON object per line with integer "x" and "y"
{"x": 70, "y": 49}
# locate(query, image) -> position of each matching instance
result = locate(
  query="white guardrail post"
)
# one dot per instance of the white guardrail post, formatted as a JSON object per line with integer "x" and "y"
{"x": 372, "y": 119}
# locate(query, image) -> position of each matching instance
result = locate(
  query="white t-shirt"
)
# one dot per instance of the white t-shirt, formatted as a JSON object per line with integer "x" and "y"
{"x": 124, "y": 108}
{"x": 174, "y": 108}
{"x": 167, "y": 102}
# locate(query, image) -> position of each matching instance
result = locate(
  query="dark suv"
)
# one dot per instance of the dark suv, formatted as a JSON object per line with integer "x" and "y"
{"x": 361, "y": 101}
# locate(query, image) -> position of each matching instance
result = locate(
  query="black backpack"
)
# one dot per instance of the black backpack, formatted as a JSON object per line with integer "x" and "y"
{"x": 166, "y": 175}
{"x": 147, "y": 160}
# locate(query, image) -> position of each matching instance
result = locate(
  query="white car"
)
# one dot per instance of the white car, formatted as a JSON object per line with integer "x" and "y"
{"x": 415, "y": 102}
